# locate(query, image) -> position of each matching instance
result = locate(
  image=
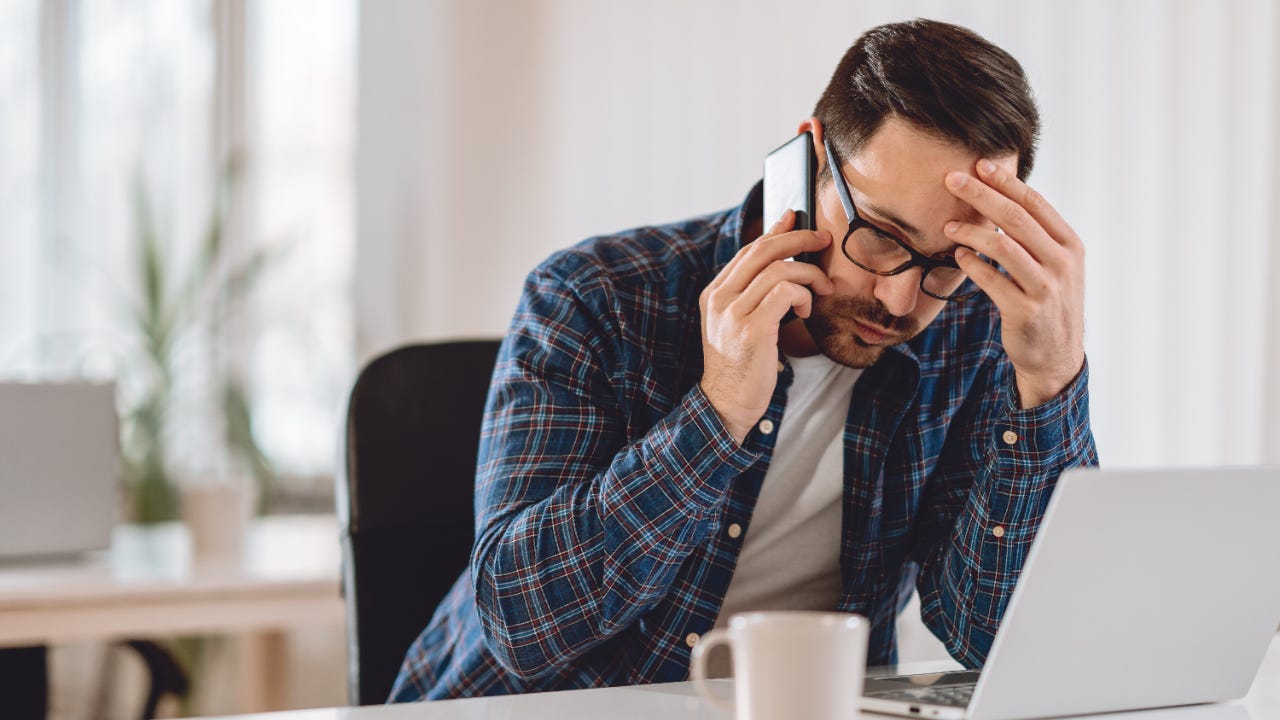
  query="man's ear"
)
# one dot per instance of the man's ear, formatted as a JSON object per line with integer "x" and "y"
{"x": 814, "y": 125}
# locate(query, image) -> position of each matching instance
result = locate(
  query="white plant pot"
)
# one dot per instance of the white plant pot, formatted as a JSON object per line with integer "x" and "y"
{"x": 217, "y": 516}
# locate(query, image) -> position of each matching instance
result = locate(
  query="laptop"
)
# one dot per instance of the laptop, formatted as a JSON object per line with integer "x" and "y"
{"x": 59, "y": 468}
{"x": 1142, "y": 589}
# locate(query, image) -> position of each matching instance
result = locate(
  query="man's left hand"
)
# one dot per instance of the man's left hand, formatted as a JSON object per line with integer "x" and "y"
{"x": 1041, "y": 293}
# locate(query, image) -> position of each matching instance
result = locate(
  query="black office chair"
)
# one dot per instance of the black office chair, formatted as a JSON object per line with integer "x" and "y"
{"x": 405, "y": 498}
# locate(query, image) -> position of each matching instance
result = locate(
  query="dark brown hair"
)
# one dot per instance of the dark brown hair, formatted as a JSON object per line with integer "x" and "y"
{"x": 946, "y": 80}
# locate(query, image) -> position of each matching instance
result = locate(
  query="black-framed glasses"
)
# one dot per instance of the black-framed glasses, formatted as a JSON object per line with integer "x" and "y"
{"x": 880, "y": 253}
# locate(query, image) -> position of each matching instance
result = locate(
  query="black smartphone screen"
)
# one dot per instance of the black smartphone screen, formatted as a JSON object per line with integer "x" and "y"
{"x": 789, "y": 174}
{"x": 788, "y": 182}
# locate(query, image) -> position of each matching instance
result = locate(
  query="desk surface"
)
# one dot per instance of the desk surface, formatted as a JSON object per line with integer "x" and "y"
{"x": 678, "y": 701}
{"x": 150, "y": 583}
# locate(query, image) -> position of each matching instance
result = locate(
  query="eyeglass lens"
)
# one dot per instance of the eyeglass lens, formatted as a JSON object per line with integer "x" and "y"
{"x": 879, "y": 253}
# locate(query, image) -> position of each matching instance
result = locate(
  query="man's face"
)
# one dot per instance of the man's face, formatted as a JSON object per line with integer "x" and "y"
{"x": 896, "y": 183}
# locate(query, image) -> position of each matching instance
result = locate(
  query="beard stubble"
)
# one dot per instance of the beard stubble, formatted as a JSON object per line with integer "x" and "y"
{"x": 831, "y": 325}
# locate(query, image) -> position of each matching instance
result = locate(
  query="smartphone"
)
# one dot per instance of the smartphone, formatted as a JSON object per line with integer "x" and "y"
{"x": 789, "y": 174}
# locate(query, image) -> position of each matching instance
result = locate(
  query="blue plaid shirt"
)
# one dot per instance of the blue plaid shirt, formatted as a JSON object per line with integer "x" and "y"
{"x": 606, "y": 480}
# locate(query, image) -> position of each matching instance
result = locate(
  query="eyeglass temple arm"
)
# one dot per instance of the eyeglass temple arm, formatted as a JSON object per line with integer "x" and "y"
{"x": 833, "y": 165}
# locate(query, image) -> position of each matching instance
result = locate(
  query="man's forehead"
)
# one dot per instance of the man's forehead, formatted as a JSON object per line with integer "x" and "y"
{"x": 910, "y": 162}
{"x": 919, "y": 215}
{"x": 898, "y": 176}
{"x": 898, "y": 144}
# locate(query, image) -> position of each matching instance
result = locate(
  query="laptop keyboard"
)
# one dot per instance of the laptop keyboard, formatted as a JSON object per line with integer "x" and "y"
{"x": 955, "y": 696}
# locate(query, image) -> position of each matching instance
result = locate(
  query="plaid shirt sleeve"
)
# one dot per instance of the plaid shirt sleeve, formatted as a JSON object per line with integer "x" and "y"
{"x": 580, "y": 529}
{"x": 986, "y": 500}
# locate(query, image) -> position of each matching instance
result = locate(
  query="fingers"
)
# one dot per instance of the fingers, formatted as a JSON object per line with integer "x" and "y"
{"x": 1023, "y": 269}
{"x": 1034, "y": 203}
{"x": 769, "y": 248}
{"x": 779, "y": 272}
{"x": 1008, "y": 215}
{"x": 998, "y": 286}
{"x": 781, "y": 298}
{"x": 784, "y": 224}
{"x": 754, "y": 258}
{"x": 754, "y": 275}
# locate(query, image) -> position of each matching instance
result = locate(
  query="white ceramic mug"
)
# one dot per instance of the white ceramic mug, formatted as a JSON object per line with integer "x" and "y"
{"x": 789, "y": 664}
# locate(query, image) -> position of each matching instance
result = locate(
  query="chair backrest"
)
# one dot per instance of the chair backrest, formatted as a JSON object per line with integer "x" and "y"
{"x": 405, "y": 498}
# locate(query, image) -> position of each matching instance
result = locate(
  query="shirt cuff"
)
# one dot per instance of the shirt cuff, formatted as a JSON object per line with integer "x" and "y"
{"x": 705, "y": 458}
{"x": 1050, "y": 435}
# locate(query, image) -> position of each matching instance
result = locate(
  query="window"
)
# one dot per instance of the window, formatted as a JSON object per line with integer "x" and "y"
{"x": 109, "y": 101}
{"x": 19, "y": 182}
{"x": 304, "y": 92}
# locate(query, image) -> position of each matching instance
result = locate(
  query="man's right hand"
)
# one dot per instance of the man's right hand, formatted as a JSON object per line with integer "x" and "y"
{"x": 741, "y": 311}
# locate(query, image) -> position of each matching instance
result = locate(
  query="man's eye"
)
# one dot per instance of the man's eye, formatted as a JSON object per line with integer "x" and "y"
{"x": 886, "y": 236}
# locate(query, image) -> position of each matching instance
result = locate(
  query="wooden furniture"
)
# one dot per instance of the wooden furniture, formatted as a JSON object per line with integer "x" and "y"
{"x": 150, "y": 584}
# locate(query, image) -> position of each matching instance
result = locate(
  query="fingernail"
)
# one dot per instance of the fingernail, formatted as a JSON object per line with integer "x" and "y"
{"x": 951, "y": 227}
{"x": 956, "y": 180}
{"x": 962, "y": 252}
{"x": 986, "y": 166}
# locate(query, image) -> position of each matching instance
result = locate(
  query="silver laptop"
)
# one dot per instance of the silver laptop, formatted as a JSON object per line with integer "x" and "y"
{"x": 1143, "y": 589}
{"x": 59, "y": 468}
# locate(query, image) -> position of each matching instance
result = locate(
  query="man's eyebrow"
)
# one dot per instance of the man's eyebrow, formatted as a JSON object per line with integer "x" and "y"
{"x": 906, "y": 227}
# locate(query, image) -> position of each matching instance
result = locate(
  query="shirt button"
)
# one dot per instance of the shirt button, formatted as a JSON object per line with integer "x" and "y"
{"x": 1010, "y": 437}
{"x": 998, "y": 531}
{"x": 766, "y": 426}
{"x": 735, "y": 531}
{"x": 691, "y": 639}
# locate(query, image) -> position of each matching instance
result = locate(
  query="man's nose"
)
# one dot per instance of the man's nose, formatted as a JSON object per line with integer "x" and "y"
{"x": 899, "y": 292}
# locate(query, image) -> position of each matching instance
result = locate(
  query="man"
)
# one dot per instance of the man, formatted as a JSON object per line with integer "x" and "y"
{"x": 659, "y": 451}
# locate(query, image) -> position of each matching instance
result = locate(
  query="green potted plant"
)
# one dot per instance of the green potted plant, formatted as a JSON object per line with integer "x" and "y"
{"x": 180, "y": 319}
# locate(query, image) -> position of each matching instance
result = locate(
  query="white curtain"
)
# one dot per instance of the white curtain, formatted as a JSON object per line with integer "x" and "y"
{"x": 492, "y": 133}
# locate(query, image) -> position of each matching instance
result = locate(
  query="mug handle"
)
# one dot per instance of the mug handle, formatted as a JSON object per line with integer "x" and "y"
{"x": 699, "y": 669}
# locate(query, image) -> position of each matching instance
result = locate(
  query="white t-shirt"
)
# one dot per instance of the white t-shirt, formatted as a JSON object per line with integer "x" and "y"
{"x": 790, "y": 557}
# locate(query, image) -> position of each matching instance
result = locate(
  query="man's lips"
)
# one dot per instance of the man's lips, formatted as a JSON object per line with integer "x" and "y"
{"x": 871, "y": 334}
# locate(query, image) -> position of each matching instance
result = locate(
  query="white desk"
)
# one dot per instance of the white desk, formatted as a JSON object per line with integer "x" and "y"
{"x": 150, "y": 585}
{"x": 677, "y": 701}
